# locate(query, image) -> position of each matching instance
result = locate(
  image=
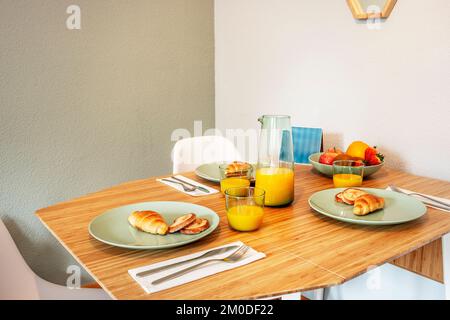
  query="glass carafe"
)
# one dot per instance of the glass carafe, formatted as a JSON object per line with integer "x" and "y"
{"x": 275, "y": 169}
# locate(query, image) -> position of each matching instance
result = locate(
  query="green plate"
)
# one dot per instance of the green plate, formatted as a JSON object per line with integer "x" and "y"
{"x": 398, "y": 208}
{"x": 211, "y": 171}
{"x": 112, "y": 227}
{"x": 327, "y": 169}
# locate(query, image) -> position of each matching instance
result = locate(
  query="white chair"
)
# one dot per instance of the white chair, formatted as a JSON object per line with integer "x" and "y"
{"x": 18, "y": 281}
{"x": 189, "y": 153}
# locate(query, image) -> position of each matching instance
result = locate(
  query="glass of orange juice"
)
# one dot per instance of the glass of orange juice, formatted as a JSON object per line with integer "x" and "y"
{"x": 245, "y": 208}
{"x": 278, "y": 182}
{"x": 347, "y": 173}
{"x": 237, "y": 179}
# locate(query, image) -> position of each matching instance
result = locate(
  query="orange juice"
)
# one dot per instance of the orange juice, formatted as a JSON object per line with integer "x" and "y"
{"x": 347, "y": 180}
{"x": 245, "y": 217}
{"x": 278, "y": 184}
{"x": 233, "y": 183}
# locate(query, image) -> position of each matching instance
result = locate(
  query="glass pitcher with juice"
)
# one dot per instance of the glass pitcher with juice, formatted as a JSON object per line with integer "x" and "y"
{"x": 275, "y": 169}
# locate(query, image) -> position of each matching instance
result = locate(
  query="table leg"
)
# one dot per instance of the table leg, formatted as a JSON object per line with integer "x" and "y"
{"x": 446, "y": 264}
{"x": 319, "y": 294}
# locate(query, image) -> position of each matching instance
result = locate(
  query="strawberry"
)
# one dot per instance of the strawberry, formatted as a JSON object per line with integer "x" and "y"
{"x": 369, "y": 153}
{"x": 327, "y": 158}
{"x": 372, "y": 157}
{"x": 374, "y": 160}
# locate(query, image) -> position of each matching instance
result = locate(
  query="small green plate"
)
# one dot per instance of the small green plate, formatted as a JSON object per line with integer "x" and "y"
{"x": 112, "y": 227}
{"x": 398, "y": 208}
{"x": 211, "y": 171}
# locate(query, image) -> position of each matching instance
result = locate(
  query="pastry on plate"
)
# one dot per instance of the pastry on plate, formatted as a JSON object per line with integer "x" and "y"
{"x": 349, "y": 195}
{"x": 338, "y": 197}
{"x": 237, "y": 169}
{"x": 182, "y": 222}
{"x": 148, "y": 221}
{"x": 195, "y": 227}
{"x": 363, "y": 202}
{"x": 367, "y": 203}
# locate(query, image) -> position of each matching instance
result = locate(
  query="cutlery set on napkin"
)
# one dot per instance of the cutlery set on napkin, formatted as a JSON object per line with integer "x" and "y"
{"x": 188, "y": 186}
{"x": 174, "y": 272}
{"x": 431, "y": 201}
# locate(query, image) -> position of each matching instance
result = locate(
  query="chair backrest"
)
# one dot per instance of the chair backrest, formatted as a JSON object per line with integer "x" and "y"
{"x": 17, "y": 280}
{"x": 189, "y": 153}
{"x": 306, "y": 142}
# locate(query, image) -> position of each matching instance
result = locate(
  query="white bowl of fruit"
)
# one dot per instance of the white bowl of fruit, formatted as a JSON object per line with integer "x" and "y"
{"x": 357, "y": 151}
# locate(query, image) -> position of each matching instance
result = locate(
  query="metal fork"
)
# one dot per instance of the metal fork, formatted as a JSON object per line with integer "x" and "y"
{"x": 394, "y": 188}
{"x": 234, "y": 257}
{"x": 185, "y": 186}
{"x": 207, "y": 254}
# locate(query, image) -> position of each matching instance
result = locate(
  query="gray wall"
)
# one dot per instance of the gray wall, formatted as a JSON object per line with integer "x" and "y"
{"x": 86, "y": 109}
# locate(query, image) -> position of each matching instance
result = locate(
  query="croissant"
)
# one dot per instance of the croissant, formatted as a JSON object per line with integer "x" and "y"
{"x": 367, "y": 203}
{"x": 148, "y": 221}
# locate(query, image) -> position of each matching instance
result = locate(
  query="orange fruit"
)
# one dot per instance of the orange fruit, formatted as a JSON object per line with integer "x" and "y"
{"x": 357, "y": 149}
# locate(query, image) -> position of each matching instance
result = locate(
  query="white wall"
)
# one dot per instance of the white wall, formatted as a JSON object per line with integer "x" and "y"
{"x": 312, "y": 60}
{"x": 83, "y": 110}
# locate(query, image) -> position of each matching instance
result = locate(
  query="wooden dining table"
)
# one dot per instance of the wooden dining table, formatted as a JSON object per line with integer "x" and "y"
{"x": 304, "y": 250}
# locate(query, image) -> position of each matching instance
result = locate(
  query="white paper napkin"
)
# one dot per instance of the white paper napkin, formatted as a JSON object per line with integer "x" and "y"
{"x": 195, "y": 193}
{"x": 425, "y": 201}
{"x": 201, "y": 272}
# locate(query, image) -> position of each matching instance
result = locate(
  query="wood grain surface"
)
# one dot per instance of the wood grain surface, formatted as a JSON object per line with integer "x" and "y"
{"x": 426, "y": 261}
{"x": 304, "y": 250}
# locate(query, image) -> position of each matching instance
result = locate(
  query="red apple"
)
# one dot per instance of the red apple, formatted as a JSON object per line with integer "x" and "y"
{"x": 327, "y": 158}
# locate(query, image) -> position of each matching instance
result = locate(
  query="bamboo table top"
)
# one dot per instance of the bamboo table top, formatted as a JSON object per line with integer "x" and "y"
{"x": 304, "y": 250}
